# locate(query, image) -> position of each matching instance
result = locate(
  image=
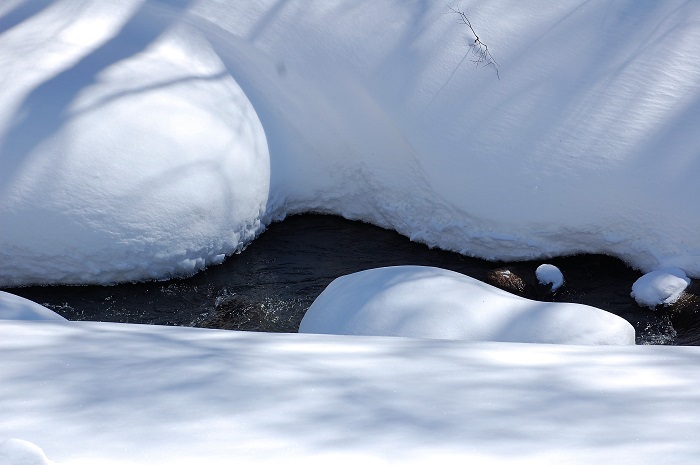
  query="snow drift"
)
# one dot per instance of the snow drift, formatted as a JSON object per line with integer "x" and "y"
{"x": 77, "y": 391}
{"x": 15, "y": 451}
{"x": 127, "y": 151}
{"x": 144, "y": 139}
{"x": 13, "y": 307}
{"x": 426, "y": 302}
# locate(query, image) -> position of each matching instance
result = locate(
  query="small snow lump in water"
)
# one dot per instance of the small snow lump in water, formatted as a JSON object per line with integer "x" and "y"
{"x": 550, "y": 274}
{"x": 659, "y": 287}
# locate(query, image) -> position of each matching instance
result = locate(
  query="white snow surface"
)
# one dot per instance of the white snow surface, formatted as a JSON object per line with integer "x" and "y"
{"x": 106, "y": 393}
{"x": 150, "y": 138}
{"x": 127, "y": 150}
{"x": 13, "y": 307}
{"x": 426, "y": 302}
{"x": 15, "y": 451}
{"x": 659, "y": 287}
{"x": 549, "y": 275}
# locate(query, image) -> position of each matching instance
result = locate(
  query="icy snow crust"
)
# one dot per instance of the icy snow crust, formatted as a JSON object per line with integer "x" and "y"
{"x": 150, "y": 139}
{"x": 427, "y": 302}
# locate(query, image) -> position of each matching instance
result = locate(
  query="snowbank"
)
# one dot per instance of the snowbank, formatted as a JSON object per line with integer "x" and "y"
{"x": 13, "y": 307}
{"x": 127, "y": 151}
{"x": 105, "y": 393}
{"x": 426, "y": 302}
{"x": 659, "y": 287}
{"x": 147, "y": 139}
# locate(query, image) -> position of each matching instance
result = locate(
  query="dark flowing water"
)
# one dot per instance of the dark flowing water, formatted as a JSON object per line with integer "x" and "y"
{"x": 272, "y": 283}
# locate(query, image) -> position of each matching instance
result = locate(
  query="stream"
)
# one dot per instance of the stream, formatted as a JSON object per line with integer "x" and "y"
{"x": 271, "y": 284}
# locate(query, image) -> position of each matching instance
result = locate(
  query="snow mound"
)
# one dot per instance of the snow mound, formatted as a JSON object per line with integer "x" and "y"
{"x": 550, "y": 274}
{"x": 660, "y": 287}
{"x": 13, "y": 307}
{"x": 21, "y": 452}
{"x": 426, "y": 302}
{"x": 127, "y": 150}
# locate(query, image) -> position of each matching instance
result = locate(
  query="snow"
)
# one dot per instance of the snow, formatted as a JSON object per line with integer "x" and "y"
{"x": 549, "y": 275}
{"x": 426, "y": 302}
{"x": 147, "y": 139}
{"x": 124, "y": 155}
{"x": 19, "y": 452}
{"x": 105, "y": 393}
{"x": 659, "y": 287}
{"x": 13, "y": 307}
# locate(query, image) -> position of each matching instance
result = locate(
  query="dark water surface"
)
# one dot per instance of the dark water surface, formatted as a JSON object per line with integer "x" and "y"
{"x": 270, "y": 285}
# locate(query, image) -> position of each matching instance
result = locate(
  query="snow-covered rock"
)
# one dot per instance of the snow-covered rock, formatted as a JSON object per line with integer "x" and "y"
{"x": 549, "y": 275}
{"x": 13, "y": 307}
{"x": 426, "y": 302}
{"x": 142, "y": 139}
{"x": 660, "y": 287}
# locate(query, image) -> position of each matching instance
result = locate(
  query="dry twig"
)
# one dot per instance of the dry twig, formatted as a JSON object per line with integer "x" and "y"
{"x": 479, "y": 49}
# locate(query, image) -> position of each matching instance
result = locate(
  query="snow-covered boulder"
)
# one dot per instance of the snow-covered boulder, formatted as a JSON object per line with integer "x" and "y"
{"x": 426, "y": 302}
{"x": 659, "y": 287}
{"x": 13, "y": 307}
{"x": 549, "y": 275}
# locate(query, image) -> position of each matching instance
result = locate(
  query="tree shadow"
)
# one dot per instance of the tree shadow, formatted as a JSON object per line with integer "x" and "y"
{"x": 46, "y": 109}
{"x": 114, "y": 388}
{"x": 21, "y": 13}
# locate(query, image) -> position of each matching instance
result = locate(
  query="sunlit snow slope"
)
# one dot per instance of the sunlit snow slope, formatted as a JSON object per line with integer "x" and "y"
{"x": 146, "y": 139}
